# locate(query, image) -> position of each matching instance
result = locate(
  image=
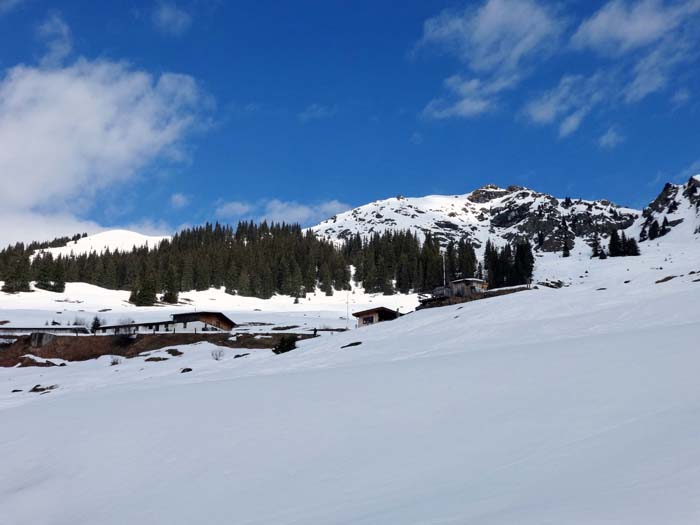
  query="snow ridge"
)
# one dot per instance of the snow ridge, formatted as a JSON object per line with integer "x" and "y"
{"x": 490, "y": 212}
{"x": 112, "y": 240}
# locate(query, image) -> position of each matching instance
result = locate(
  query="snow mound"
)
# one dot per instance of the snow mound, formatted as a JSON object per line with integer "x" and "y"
{"x": 112, "y": 240}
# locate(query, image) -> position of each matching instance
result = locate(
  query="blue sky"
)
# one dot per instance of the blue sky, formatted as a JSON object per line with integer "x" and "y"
{"x": 154, "y": 115}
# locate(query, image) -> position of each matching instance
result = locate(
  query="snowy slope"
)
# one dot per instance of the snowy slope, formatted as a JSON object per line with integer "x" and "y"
{"x": 487, "y": 213}
{"x": 122, "y": 240}
{"x": 577, "y": 406}
{"x": 82, "y": 302}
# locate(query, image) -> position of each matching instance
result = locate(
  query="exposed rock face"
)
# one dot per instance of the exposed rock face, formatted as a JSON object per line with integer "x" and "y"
{"x": 676, "y": 208}
{"x": 487, "y": 213}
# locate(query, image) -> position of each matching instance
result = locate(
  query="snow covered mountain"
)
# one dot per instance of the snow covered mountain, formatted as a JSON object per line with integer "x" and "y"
{"x": 489, "y": 212}
{"x": 675, "y": 212}
{"x": 122, "y": 240}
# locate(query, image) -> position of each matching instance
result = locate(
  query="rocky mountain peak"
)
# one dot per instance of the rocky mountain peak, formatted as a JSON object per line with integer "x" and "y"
{"x": 677, "y": 208}
{"x": 490, "y": 212}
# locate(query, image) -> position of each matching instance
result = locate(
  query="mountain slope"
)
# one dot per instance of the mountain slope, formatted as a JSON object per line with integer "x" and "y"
{"x": 487, "y": 213}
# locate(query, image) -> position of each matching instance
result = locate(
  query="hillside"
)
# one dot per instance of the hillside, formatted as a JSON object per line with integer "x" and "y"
{"x": 489, "y": 212}
{"x": 113, "y": 240}
{"x": 577, "y": 405}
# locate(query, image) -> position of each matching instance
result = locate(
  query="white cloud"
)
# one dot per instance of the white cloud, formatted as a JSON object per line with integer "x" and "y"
{"x": 71, "y": 131}
{"x": 689, "y": 171}
{"x": 611, "y": 139}
{"x": 26, "y": 226}
{"x": 570, "y": 102}
{"x": 233, "y": 209}
{"x": 680, "y": 97}
{"x": 653, "y": 72}
{"x": 466, "y": 98}
{"x": 498, "y": 36}
{"x": 497, "y": 41}
{"x": 663, "y": 32}
{"x": 316, "y": 112}
{"x": 307, "y": 215}
{"x": 277, "y": 210}
{"x": 59, "y": 41}
{"x": 170, "y": 19}
{"x": 179, "y": 200}
{"x": 416, "y": 138}
{"x": 8, "y": 5}
{"x": 621, "y": 26}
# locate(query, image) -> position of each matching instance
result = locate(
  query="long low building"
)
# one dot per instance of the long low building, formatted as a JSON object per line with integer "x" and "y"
{"x": 190, "y": 322}
{"x": 54, "y": 330}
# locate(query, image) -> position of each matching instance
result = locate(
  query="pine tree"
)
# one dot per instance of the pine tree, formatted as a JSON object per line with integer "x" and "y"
{"x": 654, "y": 230}
{"x": 466, "y": 259}
{"x": 630, "y": 246}
{"x": 523, "y": 264}
{"x": 595, "y": 245}
{"x": 187, "y": 274}
{"x": 665, "y": 227}
{"x": 615, "y": 248}
{"x": 565, "y": 251}
{"x": 296, "y": 281}
{"x": 17, "y": 279}
{"x": 231, "y": 282}
{"x": 326, "y": 279}
{"x": 59, "y": 280}
{"x": 244, "y": 285}
{"x": 170, "y": 293}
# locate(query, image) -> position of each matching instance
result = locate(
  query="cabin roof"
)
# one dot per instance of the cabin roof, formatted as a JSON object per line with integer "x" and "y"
{"x": 220, "y": 315}
{"x": 377, "y": 309}
{"x": 468, "y": 280}
{"x": 175, "y": 318}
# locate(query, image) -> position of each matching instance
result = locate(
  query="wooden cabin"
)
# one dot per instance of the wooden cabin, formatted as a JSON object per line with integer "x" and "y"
{"x": 375, "y": 315}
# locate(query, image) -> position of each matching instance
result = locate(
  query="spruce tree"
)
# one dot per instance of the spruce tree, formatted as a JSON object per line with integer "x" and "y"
{"x": 170, "y": 292}
{"x": 18, "y": 275}
{"x": 615, "y": 245}
{"x": 654, "y": 230}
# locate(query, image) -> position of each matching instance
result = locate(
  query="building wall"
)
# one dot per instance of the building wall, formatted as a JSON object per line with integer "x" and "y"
{"x": 163, "y": 328}
{"x": 367, "y": 320}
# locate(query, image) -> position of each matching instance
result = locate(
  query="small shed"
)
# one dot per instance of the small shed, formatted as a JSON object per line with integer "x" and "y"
{"x": 468, "y": 286}
{"x": 376, "y": 315}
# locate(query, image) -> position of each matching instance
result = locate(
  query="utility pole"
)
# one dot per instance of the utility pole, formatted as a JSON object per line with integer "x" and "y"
{"x": 444, "y": 272}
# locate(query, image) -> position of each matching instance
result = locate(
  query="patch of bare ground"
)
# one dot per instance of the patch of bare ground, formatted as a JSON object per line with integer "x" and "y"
{"x": 82, "y": 348}
{"x": 666, "y": 279}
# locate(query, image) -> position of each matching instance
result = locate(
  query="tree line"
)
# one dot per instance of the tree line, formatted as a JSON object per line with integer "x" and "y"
{"x": 261, "y": 260}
